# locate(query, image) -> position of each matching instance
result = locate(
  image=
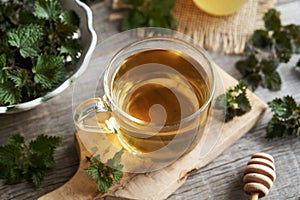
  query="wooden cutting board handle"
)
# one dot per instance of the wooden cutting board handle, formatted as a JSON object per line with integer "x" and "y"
{"x": 81, "y": 185}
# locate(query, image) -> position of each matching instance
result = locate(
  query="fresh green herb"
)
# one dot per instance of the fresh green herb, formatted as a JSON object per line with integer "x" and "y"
{"x": 154, "y": 13}
{"x": 19, "y": 160}
{"x": 234, "y": 101}
{"x": 37, "y": 48}
{"x": 105, "y": 174}
{"x": 286, "y": 118}
{"x": 266, "y": 49}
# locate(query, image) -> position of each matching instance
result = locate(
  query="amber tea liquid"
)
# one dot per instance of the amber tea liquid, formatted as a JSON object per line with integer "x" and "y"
{"x": 163, "y": 89}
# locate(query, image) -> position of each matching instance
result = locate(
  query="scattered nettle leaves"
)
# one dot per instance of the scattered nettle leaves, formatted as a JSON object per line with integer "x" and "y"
{"x": 37, "y": 48}
{"x": 30, "y": 161}
{"x": 266, "y": 49}
{"x": 234, "y": 101}
{"x": 105, "y": 174}
{"x": 286, "y": 118}
{"x": 153, "y": 13}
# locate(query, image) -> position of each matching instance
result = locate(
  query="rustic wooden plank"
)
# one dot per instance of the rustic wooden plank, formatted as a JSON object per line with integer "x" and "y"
{"x": 221, "y": 179}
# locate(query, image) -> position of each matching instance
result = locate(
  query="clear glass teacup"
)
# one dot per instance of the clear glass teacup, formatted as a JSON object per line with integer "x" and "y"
{"x": 157, "y": 97}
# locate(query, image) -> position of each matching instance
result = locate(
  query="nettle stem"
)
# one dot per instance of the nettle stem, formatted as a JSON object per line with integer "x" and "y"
{"x": 23, "y": 159}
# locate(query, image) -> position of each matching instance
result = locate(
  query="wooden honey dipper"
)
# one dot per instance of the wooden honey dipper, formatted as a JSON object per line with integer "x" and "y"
{"x": 259, "y": 175}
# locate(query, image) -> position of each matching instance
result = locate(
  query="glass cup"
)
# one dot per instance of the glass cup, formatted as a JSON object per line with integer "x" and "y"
{"x": 157, "y": 98}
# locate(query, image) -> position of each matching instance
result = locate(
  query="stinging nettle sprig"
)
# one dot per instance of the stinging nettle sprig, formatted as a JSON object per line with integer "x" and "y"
{"x": 30, "y": 161}
{"x": 286, "y": 118}
{"x": 105, "y": 174}
{"x": 152, "y": 13}
{"x": 267, "y": 49}
{"x": 234, "y": 102}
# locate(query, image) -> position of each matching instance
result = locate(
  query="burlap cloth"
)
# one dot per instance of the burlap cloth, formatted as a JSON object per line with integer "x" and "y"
{"x": 227, "y": 33}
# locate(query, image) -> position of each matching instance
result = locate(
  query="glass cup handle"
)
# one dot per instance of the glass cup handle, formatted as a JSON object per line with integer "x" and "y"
{"x": 94, "y": 115}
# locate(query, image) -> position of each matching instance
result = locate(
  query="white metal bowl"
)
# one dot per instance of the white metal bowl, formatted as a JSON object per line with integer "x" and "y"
{"x": 88, "y": 42}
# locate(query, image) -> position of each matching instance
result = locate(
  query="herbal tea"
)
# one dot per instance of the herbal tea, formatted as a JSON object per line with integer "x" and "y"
{"x": 161, "y": 88}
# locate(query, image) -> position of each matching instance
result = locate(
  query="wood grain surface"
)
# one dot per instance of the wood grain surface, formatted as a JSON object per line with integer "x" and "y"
{"x": 221, "y": 179}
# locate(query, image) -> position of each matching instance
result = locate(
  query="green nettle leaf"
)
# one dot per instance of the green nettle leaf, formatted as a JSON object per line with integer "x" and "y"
{"x": 269, "y": 66}
{"x": 105, "y": 174}
{"x": 2, "y": 61}
{"x": 70, "y": 47}
{"x": 9, "y": 153}
{"x": 64, "y": 30}
{"x": 9, "y": 94}
{"x": 271, "y": 81}
{"x": 162, "y": 7}
{"x": 19, "y": 77}
{"x": 114, "y": 162}
{"x": 36, "y": 177}
{"x": 294, "y": 33}
{"x": 3, "y": 72}
{"x": 254, "y": 80}
{"x": 14, "y": 176}
{"x": 260, "y": 38}
{"x": 44, "y": 143}
{"x": 4, "y": 27}
{"x": 275, "y": 128}
{"x": 47, "y": 9}
{"x": 134, "y": 19}
{"x": 266, "y": 49}
{"x": 104, "y": 183}
{"x": 283, "y": 46}
{"x": 247, "y": 66}
{"x": 5, "y": 48}
{"x": 92, "y": 170}
{"x": 30, "y": 30}
{"x": 49, "y": 70}
{"x": 270, "y": 78}
{"x": 118, "y": 175}
{"x": 221, "y": 102}
{"x": 160, "y": 15}
{"x": 27, "y": 39}
{"x": 155, "y": 14}
{"x": 16, "y": 139}
{"x": 234, "y": 101}
{"x": 286, "y": 118}
{"x": 243, "y": 104}
{"x": 70, "y": 17}
{"x": 283, "y": 107}
{"x": 20, "y": 161}
{"x": 272, "y": 20}
{"x": 27, "y": 18}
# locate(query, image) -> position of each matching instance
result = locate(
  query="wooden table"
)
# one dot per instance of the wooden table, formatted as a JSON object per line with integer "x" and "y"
{"x": 221, "y": 179}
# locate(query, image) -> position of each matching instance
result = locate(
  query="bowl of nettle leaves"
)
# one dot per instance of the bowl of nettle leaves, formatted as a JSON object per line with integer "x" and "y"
{"x": 44, "y": 46}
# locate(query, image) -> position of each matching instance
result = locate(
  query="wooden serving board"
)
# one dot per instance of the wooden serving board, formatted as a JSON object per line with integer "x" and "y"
{"x": 161, "y": 183}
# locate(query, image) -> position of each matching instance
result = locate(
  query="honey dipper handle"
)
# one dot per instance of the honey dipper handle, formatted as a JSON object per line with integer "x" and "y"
{"x": 254, "y": 196}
